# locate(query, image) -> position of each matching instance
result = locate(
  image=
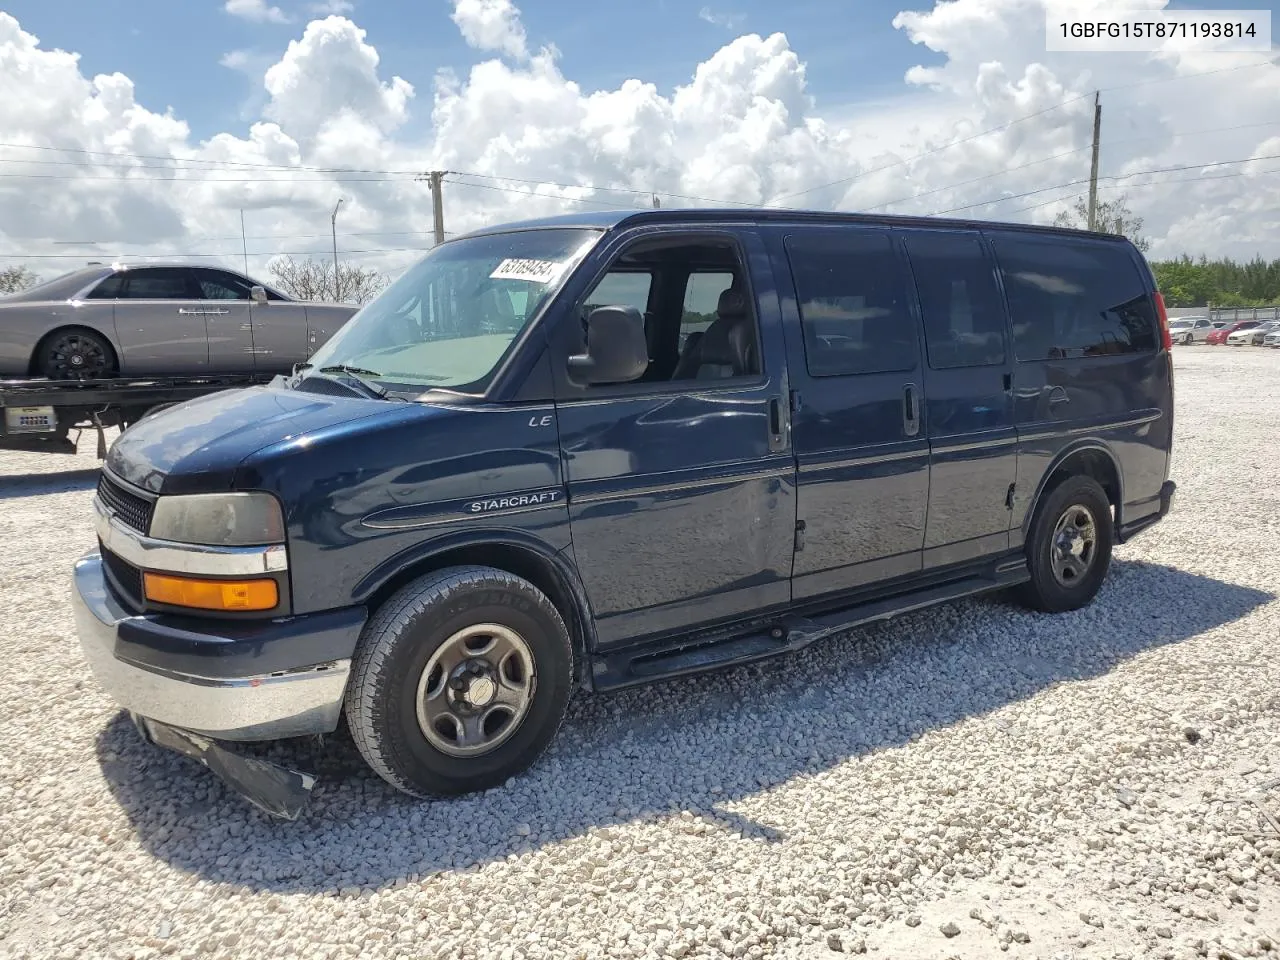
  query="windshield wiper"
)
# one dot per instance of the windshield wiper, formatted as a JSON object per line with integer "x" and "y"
{"x": 347, "y": 368}
{"x": 358, "y": 374}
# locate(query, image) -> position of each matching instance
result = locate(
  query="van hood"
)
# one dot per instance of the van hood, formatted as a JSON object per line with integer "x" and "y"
{"x": 196, "y": 446}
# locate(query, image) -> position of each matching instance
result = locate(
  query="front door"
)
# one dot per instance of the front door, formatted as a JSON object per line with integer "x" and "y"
{"x": 680, "y": 485}
{"x": 857, "y": 395}
{"x": 228, "y": 318}
{"x": 973, "y": 442}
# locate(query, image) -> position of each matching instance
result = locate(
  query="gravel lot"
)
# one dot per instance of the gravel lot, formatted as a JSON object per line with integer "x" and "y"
{"x": 1098, "y": 784}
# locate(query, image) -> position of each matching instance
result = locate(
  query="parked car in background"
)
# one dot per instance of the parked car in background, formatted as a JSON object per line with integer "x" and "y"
{"x": 1220, "y": 335}
{"x": 158, "y": 319}
{"x": 1260, "y": 332}
{"x": 1272, "y": 339}
{"x": 1190, "y": 329}
{"x": 1242, "y": 335}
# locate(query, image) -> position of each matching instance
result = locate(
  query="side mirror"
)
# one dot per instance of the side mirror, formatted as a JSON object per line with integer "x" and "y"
{"x": 617, "y": 351}
{"x": 258, "y": 294}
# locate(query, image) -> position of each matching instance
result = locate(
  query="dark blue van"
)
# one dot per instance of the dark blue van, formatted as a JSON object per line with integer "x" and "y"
{"x": 607, "y": 449}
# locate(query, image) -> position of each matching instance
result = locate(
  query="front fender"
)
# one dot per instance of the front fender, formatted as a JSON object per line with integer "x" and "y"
{"x": 502, "y": 544}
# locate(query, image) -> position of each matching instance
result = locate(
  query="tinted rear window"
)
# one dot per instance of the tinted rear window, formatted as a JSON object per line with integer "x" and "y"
{"x": 1071, "y": 298}
{"x": 852, "y": 294}
{"x": 963, "y": 315}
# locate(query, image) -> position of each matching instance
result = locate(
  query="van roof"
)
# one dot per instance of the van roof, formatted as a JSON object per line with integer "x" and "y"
{"x": 609, "y": 219}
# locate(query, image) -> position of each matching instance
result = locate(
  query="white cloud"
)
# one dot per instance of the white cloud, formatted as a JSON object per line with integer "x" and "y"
{"x": 491, "y": 25}
{"x": 236, "y": 59}
{"x": 330, "y": 77}
{"x": 255, "y": 11}
{"x": 744, "y": 129}
{"x": 730, "y": 21}
{"x": 327, "y": 7}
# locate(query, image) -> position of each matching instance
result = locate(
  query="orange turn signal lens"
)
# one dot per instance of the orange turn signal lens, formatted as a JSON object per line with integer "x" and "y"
{"x": 233, "y": 595}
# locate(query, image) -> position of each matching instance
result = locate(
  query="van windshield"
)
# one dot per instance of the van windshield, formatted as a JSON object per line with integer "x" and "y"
{"x": 452, "y": 317}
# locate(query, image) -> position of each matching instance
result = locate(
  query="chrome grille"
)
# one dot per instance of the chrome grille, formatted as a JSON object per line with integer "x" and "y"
{"x": 130, "y": 508}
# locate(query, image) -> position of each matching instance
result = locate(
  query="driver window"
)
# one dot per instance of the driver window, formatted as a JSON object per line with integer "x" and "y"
{"x": 700, "y": 319}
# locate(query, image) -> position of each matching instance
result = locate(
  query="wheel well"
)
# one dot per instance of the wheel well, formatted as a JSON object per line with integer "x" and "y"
{"x": 526, "y": 564}
{"x": 1093, "y": 463}
{"x": 112, "y": 356}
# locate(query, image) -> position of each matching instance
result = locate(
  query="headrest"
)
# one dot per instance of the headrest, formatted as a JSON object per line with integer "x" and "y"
{"x": 733, "y": 303}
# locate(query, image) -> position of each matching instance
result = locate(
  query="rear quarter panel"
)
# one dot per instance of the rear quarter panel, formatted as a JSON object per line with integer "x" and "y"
{"x": 22, "y": 325}
{"x": 323, "y": 321}
{"x": 1121, "y": 404}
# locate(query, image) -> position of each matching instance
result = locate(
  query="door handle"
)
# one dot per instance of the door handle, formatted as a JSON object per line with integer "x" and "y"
{"x": 185, "y": 312}
{"x": 777, "y": 425}
{"x": 910, "y": 410}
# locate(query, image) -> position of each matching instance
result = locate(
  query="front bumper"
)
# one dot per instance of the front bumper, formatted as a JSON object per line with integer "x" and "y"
{"x": 231, "y": 680}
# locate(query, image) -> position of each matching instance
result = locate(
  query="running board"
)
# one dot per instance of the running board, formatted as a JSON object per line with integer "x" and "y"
{"x": 666, "y": 658}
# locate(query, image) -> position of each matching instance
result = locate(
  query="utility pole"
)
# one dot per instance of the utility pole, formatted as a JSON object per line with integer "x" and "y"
{"x": 333, "y": 225}
{"x": 436, "y": 178}
{"x": 1093, "y": 171}
{"x": 244, "y": 243}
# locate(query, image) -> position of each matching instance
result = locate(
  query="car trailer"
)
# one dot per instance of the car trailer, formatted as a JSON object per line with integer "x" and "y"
{"x": 39, "y": 415}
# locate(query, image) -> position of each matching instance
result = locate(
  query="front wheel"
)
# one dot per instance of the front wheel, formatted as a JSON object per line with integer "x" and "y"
{"x": 461, "y": 680}
{"x": 1069, "y": 547}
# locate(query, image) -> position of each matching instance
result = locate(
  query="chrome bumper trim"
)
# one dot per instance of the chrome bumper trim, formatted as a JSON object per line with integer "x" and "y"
{"x": 289, "y": 704}
{"x": 192, "y": 558}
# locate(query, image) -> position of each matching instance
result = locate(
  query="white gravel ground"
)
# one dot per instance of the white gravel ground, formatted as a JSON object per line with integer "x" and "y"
{"x": 1100, "y": 784}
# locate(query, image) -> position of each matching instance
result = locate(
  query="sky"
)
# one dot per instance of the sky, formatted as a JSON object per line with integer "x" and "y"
{"x": 145, "y": 128}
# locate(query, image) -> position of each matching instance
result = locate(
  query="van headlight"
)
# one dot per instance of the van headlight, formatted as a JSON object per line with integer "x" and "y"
{"x": 219, "y": 519}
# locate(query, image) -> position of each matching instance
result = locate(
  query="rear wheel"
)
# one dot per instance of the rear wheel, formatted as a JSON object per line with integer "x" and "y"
{"x": 1069, "y": 547}
{"x": 75, "y": 355}
{"x": 461, "y": 680}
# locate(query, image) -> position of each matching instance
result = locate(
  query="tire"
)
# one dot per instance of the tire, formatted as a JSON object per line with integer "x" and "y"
{"x": 75, "y": 354}
{"x": 408, "y": 650}
{"x": 1053, "y": 591}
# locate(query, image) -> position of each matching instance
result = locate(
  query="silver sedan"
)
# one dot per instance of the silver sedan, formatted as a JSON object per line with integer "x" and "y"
{"x": 158, "y": 319}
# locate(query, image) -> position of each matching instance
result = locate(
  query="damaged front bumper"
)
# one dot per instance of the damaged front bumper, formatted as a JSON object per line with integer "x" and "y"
{"x": 194, "y": 684}
{"x": 272, "y": 788}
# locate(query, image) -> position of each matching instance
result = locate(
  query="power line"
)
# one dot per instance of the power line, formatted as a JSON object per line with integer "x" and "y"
{"x": 989, "y": 176}
{"x": 1059, "y": 156}
{"x": 228, "y": 253}
{"x": 1142, "y": 186}
{"x": 929, "y": 153}
{"x": 1122, "y": 176}
{"x": 586, "y": 186}
{"x": 172, "y": 159}
{"x": 277, "y": 236}
{"x": 1005, "y": 126}
{"x": 532, "y": 193}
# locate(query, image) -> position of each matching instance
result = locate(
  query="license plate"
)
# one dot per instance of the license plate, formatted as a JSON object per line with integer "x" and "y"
{"x": 30, "y": 420}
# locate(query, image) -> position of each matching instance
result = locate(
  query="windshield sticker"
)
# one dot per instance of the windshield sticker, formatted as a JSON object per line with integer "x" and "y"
{"x": 534, "y": 271}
